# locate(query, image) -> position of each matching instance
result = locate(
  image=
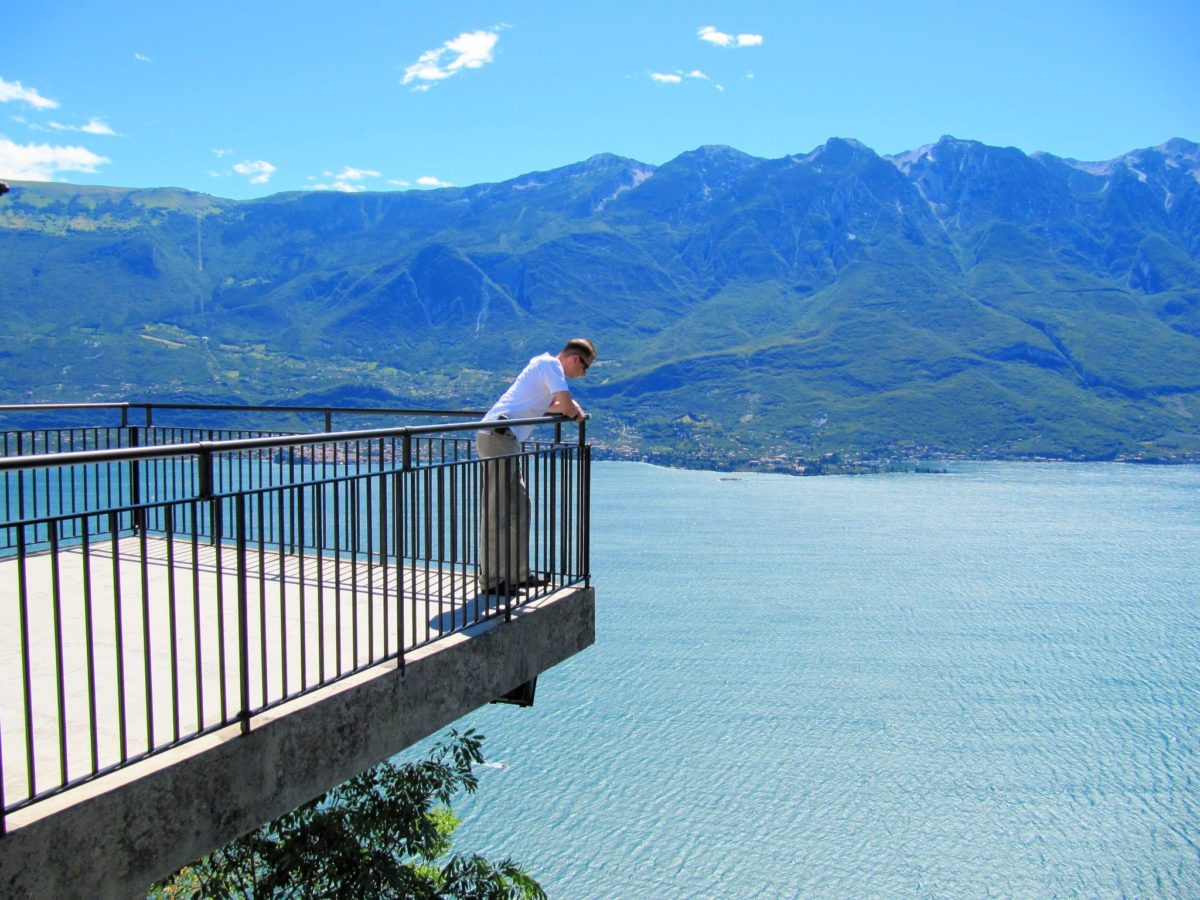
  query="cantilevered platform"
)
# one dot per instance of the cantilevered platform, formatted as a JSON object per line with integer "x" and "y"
{"x": 292, "y": 672}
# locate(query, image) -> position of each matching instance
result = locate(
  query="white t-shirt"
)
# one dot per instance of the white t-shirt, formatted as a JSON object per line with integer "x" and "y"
{"x": 531, "y": 393}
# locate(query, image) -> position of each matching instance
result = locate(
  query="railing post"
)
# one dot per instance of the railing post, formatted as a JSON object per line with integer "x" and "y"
{"x": 205, "y": 462}
{"x": 585, "y": 511}
{"x": 26, "y": 662}
{"x": 406, "y": 458}
{"x": 398, "y": 551}
{"x": 328, "y": 421}
{"x": 243, "y": 601}
{"x": 582, "y": 504}
{"x": 135, "y": 485}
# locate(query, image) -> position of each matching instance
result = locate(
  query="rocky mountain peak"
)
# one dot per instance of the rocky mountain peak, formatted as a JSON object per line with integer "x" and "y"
{"x": 1179, "y": 148}
{"x": 837, "y": 152}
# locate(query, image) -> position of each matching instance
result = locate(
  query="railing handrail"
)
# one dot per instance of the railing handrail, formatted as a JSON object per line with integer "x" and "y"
{"x": 30, "y": 407}
{"x": 208, "y": 448}
{"x": 237, "y": 407}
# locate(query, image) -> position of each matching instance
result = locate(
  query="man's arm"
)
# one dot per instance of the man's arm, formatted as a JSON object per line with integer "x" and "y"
{"x": 564, "y": 404}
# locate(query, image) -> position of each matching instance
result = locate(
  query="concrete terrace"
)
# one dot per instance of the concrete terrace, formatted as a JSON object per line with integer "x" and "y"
{"x": 171, "y": 803}
{"x": 164, "y": 690}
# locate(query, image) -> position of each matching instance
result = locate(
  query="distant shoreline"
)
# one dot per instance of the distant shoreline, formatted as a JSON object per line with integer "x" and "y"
{"x": 838, "y": 466}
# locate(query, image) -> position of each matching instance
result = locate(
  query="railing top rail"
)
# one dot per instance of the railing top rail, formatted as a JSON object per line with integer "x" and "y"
{"x": 124, "y": 454}
{"x": 33, "y": 407}
{"x": 224, "y": 407}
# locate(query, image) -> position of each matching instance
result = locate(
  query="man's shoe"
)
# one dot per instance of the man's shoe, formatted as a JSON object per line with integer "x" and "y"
{"x": 505, "y": 589}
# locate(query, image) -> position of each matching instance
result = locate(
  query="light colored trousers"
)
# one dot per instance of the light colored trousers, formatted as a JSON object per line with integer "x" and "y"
{"x": 504, "y": 518}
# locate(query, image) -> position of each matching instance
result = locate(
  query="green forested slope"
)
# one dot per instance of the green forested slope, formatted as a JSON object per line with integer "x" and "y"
{"x": 956, "y": 299}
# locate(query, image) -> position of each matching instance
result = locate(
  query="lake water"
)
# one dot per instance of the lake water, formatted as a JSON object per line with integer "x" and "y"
{"x": 984, "y": 683}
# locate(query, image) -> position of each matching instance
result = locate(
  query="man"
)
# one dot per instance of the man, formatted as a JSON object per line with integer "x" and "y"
{"x": 540, "y": 389}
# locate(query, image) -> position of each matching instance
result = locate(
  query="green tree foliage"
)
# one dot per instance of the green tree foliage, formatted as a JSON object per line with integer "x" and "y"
{"x": 385, "y": 833}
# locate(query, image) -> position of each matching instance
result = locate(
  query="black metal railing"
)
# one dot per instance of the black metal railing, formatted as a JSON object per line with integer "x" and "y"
{"x": 154, "y": 593}
{"x": 85, "y": 486}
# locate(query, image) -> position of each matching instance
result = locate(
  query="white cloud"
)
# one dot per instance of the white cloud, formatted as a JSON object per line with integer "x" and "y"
{"x": 352, "y": 174}
{"x": 14, "y": 90}
{"x": 141, "y": 57}
{"x": 721, "y": 39}
{"x": 470, "y": 50}
{"x": 221, "y": 153}
{"x": 678, "y": 76}
{"x": 344, "y": 186}
{"x": 41, "y": 162}
{"x": 349, "y": 181}
{"x": 346, "y": 180}
{"x": 259, "y": 169}
{"x": 94, "y": 126}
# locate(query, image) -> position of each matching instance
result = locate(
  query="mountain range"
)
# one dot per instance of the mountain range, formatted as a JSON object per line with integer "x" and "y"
{"x": 957, "y": 299}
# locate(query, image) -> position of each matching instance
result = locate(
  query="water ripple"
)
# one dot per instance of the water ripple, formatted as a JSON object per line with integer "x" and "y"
{"x": 980, "y": 684}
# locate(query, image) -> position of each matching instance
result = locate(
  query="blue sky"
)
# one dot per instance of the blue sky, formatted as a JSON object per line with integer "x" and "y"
{"x": 247, "y": 99}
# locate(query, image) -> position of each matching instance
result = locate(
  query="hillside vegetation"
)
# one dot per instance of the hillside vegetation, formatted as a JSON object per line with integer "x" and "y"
{"x": 957, "y": 299}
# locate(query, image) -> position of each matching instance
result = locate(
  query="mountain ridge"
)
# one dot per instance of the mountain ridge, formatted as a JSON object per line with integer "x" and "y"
{"x": 957, "y": 298}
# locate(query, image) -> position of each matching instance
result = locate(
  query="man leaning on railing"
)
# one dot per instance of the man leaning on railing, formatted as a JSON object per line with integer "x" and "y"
{"x": 540, "y": 389}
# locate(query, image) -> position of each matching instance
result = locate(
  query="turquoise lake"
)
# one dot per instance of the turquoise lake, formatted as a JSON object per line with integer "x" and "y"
{"x": 982, "y": 683}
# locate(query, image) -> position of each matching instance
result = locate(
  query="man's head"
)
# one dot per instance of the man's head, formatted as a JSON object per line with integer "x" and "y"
{"x": 577, "y": 356}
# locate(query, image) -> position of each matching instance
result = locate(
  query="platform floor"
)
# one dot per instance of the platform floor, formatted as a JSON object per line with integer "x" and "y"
{"x": 307, "y": 619}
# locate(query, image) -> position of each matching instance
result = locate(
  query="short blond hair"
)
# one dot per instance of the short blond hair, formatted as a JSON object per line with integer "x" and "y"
{"x": 581, "y": 347}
